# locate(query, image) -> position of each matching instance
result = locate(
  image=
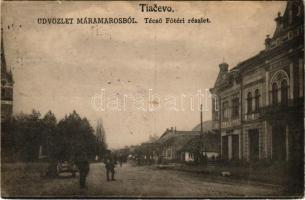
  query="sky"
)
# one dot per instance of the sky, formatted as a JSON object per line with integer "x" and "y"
{"x": 137, "y": 78}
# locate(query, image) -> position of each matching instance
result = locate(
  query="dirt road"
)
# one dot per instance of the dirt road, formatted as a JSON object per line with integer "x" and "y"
{"x": 138, "y": 181}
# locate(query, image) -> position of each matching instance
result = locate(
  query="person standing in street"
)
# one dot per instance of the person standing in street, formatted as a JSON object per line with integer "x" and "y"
{"x": 83, "y": 166}
{"x": 110, "y": 165}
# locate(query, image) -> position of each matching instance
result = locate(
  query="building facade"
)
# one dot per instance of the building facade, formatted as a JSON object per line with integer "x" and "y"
{"x": 171, "y": 142}
{"x": 211, "y": 147}
{"x": 259, "y": 104}
{"x": 185, "y": 146}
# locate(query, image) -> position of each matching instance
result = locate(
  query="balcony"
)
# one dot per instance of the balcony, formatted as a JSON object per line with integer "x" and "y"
{"x": 230, "y": 123}
{"x": 251, "y": 116}
{"x": 274, "y": 109}
{"x": 6, "y": 98}
{"x": 294, "y": 107}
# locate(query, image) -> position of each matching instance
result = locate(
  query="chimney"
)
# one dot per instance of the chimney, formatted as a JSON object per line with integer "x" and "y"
{"x": 172, "y": 129}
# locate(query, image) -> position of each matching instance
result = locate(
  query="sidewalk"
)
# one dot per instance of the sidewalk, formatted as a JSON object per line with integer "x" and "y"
{"x": 262, "y": 176}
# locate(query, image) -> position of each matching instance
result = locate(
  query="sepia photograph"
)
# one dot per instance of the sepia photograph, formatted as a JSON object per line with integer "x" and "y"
{"x": 152, "y": 99}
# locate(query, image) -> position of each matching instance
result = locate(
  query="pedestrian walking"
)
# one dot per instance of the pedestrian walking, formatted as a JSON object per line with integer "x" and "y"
{"x": 110, "y": 165}
{"x": 83, "y": 166}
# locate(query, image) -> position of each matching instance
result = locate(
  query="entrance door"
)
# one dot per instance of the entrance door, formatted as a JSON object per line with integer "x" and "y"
{"x": 278, "y": 143}
{"x": 225, "y": 147}
{"x": 235, "y": 147}
{"x": 253, "y": 144}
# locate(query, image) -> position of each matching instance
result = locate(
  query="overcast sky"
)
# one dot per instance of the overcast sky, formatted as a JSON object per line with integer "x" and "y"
{"x": 62, "y": 67}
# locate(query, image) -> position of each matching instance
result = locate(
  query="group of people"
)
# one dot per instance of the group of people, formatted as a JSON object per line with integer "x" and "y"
{"x": 83, "y": 166}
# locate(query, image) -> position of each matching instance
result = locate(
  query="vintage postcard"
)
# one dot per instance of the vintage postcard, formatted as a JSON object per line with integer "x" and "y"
{"x": 152, "y": 99}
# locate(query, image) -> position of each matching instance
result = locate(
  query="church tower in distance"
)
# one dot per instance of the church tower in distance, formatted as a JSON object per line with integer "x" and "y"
{"x": 6, "y": 87}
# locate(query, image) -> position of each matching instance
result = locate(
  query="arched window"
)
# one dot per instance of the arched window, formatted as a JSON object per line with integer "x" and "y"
{"x": 274, "y": 94}
{"x": 249, "y": 102}
{"x": 284, "y": 92}
{"x": 257, "y": 96}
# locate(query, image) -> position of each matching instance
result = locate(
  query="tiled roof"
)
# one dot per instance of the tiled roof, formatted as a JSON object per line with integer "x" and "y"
{"x": 212, "y": 143}
{"x": 191, "y": 140}
{"x": 173, "y": 134}
{"x": 180, "y": 140}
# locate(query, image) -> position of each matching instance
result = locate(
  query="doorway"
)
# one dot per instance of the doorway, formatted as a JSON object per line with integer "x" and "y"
{"x": 278, "y": 143}
{"x": 253, "y": 144}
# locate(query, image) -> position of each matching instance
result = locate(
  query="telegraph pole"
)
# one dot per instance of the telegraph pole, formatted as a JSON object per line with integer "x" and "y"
{"x": 201, "y": 135}
{"x": 201, "y": 130}
{"x": 202, "y": 141}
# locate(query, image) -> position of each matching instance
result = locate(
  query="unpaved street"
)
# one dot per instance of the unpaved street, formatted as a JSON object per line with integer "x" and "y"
{"x": 143, "y": 181}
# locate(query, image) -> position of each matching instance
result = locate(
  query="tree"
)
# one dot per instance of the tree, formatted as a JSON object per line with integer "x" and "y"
{"x": 27, "y": 135}
{"x": 59, "y": 141}
{"x": 7, "y": 139}
{"x": 49, "y": 124}
{"x": 75, "y": 135}
{"x": 101, "y": 139}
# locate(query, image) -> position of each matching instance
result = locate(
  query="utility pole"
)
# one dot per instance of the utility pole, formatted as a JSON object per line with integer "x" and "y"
{"x": 201, "y": 135}
{"x": 202, "y": 140}
{"x": 201, "y": 130}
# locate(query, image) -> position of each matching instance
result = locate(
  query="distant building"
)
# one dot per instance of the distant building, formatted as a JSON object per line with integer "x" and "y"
{"x": 211, "y": 148}
{"x": 6, "y": 87}
{"x": 179, "y": 146}
{"x": 259, "y": 105}
{"x": 144, "y": 153}
{"x": 172, "y": 141}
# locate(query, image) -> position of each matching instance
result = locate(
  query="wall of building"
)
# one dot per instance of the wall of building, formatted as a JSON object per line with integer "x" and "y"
{"x": 281, "y": 60}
